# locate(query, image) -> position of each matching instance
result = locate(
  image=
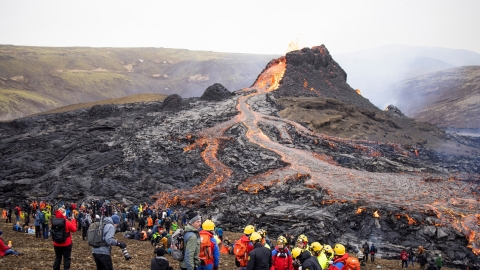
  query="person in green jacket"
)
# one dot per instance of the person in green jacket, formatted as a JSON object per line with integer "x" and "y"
{"x": 191, "y": 239}
{"x": 439, "y": 261}
{"x": 47, "y": 215}
{"x": 174, "y": 226}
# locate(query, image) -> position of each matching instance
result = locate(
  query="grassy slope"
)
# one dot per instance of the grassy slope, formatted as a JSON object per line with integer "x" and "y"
{"x": 64, "y": 76}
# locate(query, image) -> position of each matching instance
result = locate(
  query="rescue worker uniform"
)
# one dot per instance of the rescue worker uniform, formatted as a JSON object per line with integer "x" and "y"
{"x": 259, "y": 258}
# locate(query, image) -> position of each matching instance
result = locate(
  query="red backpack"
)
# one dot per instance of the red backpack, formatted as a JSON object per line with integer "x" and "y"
{"x": 351, "y": 263}
{"x": 240, "y": 251}
{"x": 206, "y": 253}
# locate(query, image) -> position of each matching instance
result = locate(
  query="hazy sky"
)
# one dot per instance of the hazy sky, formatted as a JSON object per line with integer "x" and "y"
{"x": 259, "y": 26}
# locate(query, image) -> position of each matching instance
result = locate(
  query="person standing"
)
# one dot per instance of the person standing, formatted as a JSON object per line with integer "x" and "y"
{"x": 366, "y": 251}
{"x": 422, "y": 258}
{"x": 281, "y": 256}
{"x": 404, "y": 258}
{"x": 439, "y": 261}
{"x": 46, "y": 215}
{"x": 209, "y": 254}
{"x": 102, "y": 254}
{"x": 303, "y": 259}
{"x": 37, "y": 224}
{"x": 411, "y": 255}
{"x": 373, "y": 250}
{"x": 192, "y": 242}
{"x": 64, "y": 249}
{"x": 260, "y": 258}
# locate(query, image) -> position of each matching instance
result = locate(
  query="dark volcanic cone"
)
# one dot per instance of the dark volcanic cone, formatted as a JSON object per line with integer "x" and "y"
{"x": 314, "y": 73}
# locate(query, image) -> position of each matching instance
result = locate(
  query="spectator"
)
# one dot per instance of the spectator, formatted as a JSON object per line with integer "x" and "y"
{"x": 6, "y": 249}
{"x": 439, "y": 261}
{"x": 404, "y": 258}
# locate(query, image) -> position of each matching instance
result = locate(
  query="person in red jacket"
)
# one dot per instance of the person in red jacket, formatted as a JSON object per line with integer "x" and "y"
{"x": 281, "y": 256}
{"x": 339, "y": 257}
{"x": 64, "y": 249}
{"x": 6, "y": 249}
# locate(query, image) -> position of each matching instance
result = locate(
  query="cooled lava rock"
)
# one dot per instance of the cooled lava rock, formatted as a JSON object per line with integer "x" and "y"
{"x": 216, "y": 92}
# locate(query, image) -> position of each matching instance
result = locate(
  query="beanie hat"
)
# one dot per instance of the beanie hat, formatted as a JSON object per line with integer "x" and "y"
{"x": 192, "y": 217}
{"x": 160, "y": 251}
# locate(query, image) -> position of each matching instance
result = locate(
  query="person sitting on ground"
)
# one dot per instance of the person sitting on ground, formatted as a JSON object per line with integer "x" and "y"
{"x": 159, "y": 262}
{"x": 6, "y": 249}
{"x": 17, "y": 227}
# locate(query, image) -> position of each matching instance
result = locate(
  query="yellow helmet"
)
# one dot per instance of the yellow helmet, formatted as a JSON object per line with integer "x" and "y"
{"x": 262, "y": 232}
{"x": 316, "y": 246}
{"x": 328, "y": 249}
{"x": 339, "y": 249}
{"x": 296, "y": 252}
{"x": 208, "y": 225}
{"x": 281, "y": 240}
{"x": 302, "y": 238}
{"x": 249, "y": 229}
{"x": 255, "y": 236}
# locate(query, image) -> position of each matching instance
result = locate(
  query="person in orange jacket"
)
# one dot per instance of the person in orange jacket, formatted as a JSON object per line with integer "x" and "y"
{"x": 64, "y": 249}
{"x": 149, "y": 222}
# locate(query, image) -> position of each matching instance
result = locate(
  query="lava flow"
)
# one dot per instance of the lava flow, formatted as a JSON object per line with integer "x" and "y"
{"x": 402, "y": 190}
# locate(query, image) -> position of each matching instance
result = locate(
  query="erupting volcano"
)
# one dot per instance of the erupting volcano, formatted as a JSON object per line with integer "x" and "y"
{"x": 454, "y": 202}
{"x": 298, "y": 151}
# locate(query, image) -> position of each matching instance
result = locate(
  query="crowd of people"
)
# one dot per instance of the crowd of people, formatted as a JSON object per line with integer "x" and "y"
{"x": 201, "y": 242}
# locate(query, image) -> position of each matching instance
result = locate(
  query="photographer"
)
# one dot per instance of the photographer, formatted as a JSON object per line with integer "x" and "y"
{"x": 101, "y": 254}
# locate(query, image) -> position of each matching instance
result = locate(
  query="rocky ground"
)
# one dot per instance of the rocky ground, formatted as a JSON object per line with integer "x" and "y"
{"x": 38, "y": 254}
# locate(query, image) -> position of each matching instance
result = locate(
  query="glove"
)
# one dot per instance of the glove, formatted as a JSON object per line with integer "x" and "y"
{"x": 330, "y": 262}
{"x": 122, "y": 245}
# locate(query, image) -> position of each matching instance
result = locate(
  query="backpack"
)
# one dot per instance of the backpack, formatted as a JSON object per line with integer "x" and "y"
{"x": 42, "y": 217}
{"x": 85, "y": 222}
{"x": 240, "y": 252}
{"x": 206, "y": 253}
{"x": 404, "y": 256}
{"x": 58, "y": 231}
{"x": 16, "y": 211}
{"x": 177, "y": 245}
{"x": 351, "y": 263}
{"x": 95, "y": 234}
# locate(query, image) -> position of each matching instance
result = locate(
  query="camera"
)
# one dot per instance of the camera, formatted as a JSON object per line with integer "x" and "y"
{"x": 126, "y": 254}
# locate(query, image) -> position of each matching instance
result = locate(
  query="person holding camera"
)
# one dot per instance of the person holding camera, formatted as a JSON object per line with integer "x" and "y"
{"x": 101, "y": 254}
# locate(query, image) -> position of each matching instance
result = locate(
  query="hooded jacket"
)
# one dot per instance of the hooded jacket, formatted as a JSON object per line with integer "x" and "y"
{"x": 70, "y": 227}
{"x": 192, "y": 248}
{"x": 309, "y": 262}
{"x": 108, "y": 233}
{"x": 159, "y": 263}
{"x": 36, "y": 222}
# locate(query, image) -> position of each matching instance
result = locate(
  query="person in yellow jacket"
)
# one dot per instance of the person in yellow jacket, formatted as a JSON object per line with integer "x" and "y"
{"x": 317, "y": 250}
{"x": 263, "y": 234}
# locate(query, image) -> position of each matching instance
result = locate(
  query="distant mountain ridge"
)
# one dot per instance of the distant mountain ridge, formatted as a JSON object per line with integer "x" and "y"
{"x": 374, "y": 71}
{"x": 448, "y": 98}
{"x": 38, "y": 79}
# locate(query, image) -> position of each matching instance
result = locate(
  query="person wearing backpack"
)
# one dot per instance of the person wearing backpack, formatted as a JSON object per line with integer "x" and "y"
{"x": 86, "y": 221}
{"x": 281, "y": 256}
{"x": 242, "y": 247}
{"x": 366, "y": 251}
{"x": 339, "y": 258}
{"x": 46, "y": 218}
{"x": 209, "y": 252}
{"x": 102, "y": 253}
{"x": 404, "y": 258}
{"x": 191, "y": 240}
{"x": 62, "y": 239}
